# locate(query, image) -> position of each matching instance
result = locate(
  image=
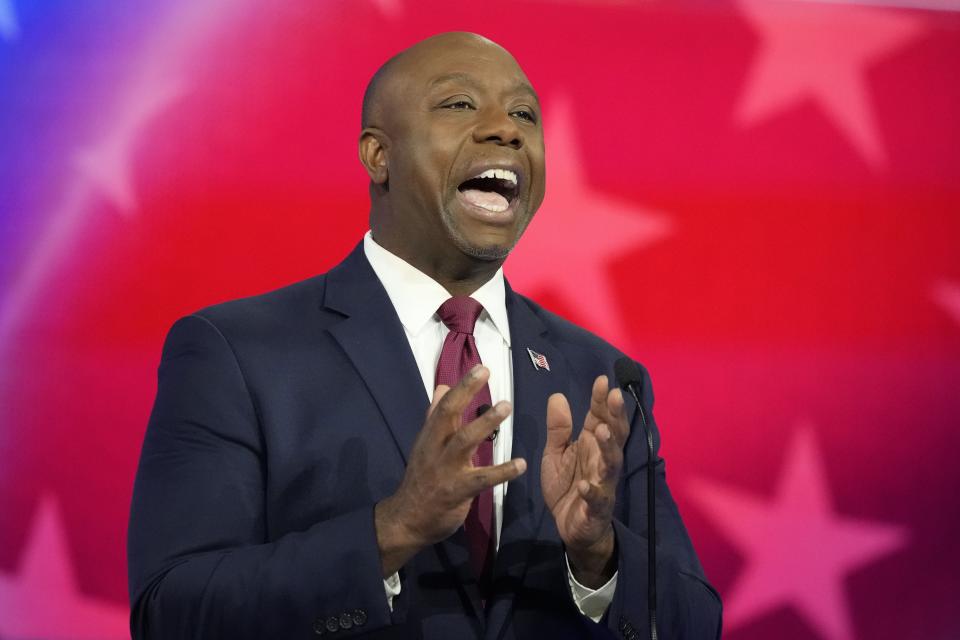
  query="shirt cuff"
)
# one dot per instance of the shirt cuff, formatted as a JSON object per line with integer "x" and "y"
{"x": 592, "y": 603}
{"x": 391, "y": 586}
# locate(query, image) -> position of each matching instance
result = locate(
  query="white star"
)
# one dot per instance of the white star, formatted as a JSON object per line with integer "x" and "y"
{"x": 947, "y": 295}
{"x": 43, "y": 599}
{"x": 577, "y": 232}
{"x": 9, "y": 29}
{"x": 103, "y": 169}
{"x": 822, "y": 53}
{"x": 108, "y": 166}
{"x": 797, "y": 551}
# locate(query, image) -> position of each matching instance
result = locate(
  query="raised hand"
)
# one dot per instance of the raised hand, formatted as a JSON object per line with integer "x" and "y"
{"x": 440, "y": 481}
{"x": 579, "y": 479}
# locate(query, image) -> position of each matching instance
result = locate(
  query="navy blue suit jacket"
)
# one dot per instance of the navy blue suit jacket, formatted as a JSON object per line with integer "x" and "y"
{"x": 281, "y": 420}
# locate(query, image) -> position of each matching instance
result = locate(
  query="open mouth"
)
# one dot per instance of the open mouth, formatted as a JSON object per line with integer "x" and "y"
{"x": 493, "y": 190}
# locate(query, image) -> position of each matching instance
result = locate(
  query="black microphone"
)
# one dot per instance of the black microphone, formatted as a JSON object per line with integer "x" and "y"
{"x": 630, "y": 377}
{"x": 482, "y": 409}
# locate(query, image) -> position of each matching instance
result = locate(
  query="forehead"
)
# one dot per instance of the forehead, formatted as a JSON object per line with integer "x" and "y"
{"x": 480, "y": 65}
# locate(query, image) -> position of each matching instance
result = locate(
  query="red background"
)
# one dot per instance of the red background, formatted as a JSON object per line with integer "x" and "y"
{"x": 758, "y": 200}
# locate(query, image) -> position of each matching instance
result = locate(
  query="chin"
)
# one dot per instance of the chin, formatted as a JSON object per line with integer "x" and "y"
{"x": 489, "y": 253}
{"x": 482, "y": 248}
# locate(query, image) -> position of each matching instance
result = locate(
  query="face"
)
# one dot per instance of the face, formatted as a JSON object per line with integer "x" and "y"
{"x": 465, "y": 159}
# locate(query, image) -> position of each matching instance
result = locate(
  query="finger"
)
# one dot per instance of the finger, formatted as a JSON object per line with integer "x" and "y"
{"x": 611, "y": 454}
{"x": 599, "y": 502}
{"x": 438, "y": 393}
{"x": 483, "y": 478}
{"x": 618, "y": 417}
{"x": 450, "y": 408}
{"x": 469, "y": 437}
{"x": 598, "y": 404}
{"x": 559, "y": 424}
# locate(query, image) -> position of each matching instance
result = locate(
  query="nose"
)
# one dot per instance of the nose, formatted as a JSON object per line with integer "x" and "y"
{"x": 499, "y": 127}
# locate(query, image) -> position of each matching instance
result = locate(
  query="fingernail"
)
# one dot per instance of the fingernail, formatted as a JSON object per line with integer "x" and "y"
{"x": 502, "y": 409}
{"x": 520, "y": 464}
{"x": 475, "y": 371}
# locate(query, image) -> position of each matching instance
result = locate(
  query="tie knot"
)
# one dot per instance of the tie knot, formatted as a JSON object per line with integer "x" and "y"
{"x": 460, "y": 313}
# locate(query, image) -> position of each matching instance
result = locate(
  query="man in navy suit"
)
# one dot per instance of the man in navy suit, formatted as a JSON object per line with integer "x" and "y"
{"x": 309, "y": 468}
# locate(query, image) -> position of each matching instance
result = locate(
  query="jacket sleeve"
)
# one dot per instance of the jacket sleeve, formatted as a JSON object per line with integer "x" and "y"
{"x": 688, "y": 607}
{"x": 200, "y": 560}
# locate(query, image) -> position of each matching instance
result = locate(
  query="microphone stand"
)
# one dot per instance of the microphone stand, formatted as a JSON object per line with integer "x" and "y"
{"x": 632, "y": 382}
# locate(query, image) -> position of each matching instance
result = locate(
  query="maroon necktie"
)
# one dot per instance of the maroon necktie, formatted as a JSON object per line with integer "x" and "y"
{"x": 458, "y": 356}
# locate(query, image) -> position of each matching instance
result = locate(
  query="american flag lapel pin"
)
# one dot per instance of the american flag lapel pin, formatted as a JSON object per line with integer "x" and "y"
{"x": 539, "y": 360}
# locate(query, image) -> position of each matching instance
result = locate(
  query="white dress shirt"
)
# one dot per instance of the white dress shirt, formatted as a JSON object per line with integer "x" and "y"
{"x": 416, "y": 298}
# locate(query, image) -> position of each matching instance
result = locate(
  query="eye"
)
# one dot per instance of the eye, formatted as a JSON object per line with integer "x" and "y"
{"x": 525, "y": 114}
{"x": 458, "y": 105}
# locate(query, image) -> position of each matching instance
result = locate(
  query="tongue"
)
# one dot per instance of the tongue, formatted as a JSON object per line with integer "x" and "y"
{"x": 489, "y": 200}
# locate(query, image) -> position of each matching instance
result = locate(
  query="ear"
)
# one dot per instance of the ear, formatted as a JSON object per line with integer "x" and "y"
{"x": 373, "y": 154}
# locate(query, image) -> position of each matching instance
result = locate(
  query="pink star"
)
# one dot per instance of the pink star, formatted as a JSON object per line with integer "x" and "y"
{"x": 576, "y": 233}
{"x": 108, "y": 166}
{"x": 822, "y": 53}
{"x": 43, "y": 600}
{"x": 797, "y": 550}
{"x": 947, "y": 295}
{"x": 389, "y": 8}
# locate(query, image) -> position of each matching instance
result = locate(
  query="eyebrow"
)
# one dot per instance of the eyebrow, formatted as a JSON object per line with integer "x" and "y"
{"x": 519, "y": 86}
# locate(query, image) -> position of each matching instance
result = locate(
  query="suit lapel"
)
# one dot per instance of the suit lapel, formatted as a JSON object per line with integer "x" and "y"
{"x": 373, "y": 338}
{"x": 524, "y": 511}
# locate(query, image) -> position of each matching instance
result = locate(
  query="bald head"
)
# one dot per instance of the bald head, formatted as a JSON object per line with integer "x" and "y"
{"x": 453, "y": 145}
{"x": 391, "y": 73}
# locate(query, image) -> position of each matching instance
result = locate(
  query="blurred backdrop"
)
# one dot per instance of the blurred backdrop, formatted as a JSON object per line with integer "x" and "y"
{"x": 759, "y": 200}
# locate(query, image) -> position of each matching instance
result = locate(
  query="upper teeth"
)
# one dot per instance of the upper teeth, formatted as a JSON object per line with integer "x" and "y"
{"x": 502, "y": 174}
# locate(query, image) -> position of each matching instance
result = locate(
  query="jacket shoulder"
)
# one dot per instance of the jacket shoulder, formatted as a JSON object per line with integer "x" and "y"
{"x": 270, "y": 318}
{"x": 571, "y": 337}
{"x": 290, "y": 298}
{"x": 588, "y": 354}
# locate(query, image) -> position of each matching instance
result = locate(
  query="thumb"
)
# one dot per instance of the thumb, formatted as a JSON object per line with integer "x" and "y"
{"x": 559, "y": 424}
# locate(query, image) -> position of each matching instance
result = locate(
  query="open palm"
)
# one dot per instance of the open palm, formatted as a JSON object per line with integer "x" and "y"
{"x": 579, "y": 478}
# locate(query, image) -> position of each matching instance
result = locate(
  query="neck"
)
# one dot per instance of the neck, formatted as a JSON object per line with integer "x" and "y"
{"x": 464, "y": 286}
{"x": 459, "y": 274}
{"x": 456, "y": 271}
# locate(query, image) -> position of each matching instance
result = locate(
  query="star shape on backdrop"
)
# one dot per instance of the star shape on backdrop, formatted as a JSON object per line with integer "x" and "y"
{"x": 108, "y": 165}
{"x": 577, "y": 232}
{"x": 822, "y": 53}
{"x": 947, "y": 295}
{"x": 389, "y": 8}
{"x": 797, "y": 550}
{"x": 43, "y": 600}
{"x": 105, "y": 168}
{"x": 9, "y": 27}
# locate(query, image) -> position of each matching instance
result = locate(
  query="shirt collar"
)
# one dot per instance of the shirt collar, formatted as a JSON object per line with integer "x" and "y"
{"x": 416, "y": 296}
